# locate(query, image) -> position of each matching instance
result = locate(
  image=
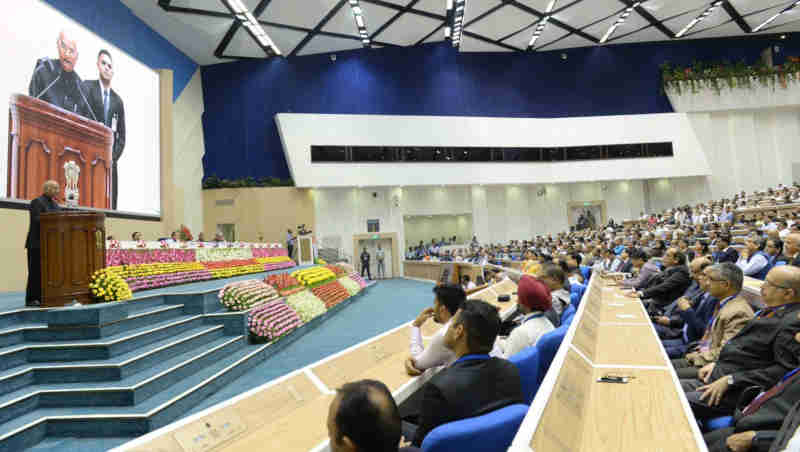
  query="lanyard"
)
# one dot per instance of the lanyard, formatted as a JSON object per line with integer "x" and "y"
{"x": 533, "y": 316}
{"x": 471, "y": 358}
{"x": 769, "y": 312}
{"x": 721, "y": 305}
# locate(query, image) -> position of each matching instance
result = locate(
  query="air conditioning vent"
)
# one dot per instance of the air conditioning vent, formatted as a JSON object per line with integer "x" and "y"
{"x": 224, "y": 202}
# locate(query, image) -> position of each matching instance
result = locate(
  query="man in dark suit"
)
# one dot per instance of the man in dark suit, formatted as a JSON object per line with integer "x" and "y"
{"x": 727, "y": 253}
{"x": 756, "y": 425}
{"x": 44, "y": 203}
{"x": 668, "y": 285}
{"x": 473, "y": 385}
{"x": 626, "y": 266}
{"x": 108, "y": 109}
{"x": 55, "y": 81}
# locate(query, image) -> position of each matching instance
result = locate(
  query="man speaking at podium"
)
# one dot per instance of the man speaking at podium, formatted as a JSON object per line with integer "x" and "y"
{"x": 56, "y": 82}
{"x": 108, "y": 107}
{"x": 44, "y": 203}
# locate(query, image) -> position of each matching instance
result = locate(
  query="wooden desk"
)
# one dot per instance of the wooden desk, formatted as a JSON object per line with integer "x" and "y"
{"x": 574, "y": 412}
{"x": 289, "y": 414}
{"x": 422, "y": 270}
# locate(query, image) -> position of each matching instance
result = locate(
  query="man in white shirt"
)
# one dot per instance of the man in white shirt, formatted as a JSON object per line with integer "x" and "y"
{"x": 467, "y": 284}
{"x": 752, "y": 259}
{"x": 448, "y": 299}
{"x": 533, "y": 300}
{"x": 380, "y": 255}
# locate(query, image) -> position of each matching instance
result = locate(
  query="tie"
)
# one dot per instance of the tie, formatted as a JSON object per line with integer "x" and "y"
{"x": 765, "y": 396}
{"x": 105, "y": 106}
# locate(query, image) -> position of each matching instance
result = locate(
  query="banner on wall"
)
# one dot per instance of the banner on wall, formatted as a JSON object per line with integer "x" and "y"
{"x": 81, "y": 112}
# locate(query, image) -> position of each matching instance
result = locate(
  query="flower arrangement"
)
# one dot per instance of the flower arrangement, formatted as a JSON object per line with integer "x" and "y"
{"x": 319, "y": 261}
{"x": 349, "y": 285}
{"x": 284, "y": 283}
{"x": 105, "y": 285}
{"x": 357, "y": 278}
{"x": 338, "y": 271}
{"x": 716, "y": 75}
{"x": 185, "y": 234}
{"x": 331, "y": 293}
{"x": 314, "y": 276}
{"x": 272, "y": 320}
{"x": 306, "y": 304}
{"x": 243, "y": 295}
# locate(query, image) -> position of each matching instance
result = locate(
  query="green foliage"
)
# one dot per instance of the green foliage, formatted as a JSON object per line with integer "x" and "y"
{"x": 723, "y": 74}
{"x": 212, "y": 182}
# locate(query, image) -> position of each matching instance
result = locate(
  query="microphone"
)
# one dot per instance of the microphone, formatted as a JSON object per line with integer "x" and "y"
{"x": 38, "y": 96}
{"x": 80, "y": 90}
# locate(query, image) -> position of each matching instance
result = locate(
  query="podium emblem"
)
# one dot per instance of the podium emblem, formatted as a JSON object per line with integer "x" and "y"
{"x": 71, "y": 174}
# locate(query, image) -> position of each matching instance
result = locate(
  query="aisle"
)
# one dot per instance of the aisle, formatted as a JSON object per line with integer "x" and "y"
{"x": 386, "y": 305}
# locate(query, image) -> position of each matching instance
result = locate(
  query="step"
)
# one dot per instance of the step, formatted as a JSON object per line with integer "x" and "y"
{"x": 26, "y": 430}
{"x": 59, "y": 351}
{"x": 116, "y": 368}
{"x": 10, "y": 319}
{"x": 143, "y": 317}
{"x": 123, "y": 393}
{"x": 16, "y": 334}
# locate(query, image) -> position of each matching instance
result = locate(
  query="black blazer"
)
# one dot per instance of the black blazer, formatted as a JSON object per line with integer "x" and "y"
{"x": 626, "y": 267}
{"x": 787, "y": 430}
{"x": 666, "y": 286}
{"x": 729, "y": 255}
{"x": 38, "y": 206}
{"x": 467, "y": 389}
{"x": 95, "y": 96}
{"x": 768, "y": 418}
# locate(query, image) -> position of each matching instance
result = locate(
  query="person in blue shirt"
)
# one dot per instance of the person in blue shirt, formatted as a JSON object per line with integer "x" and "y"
{"x": 619, "y": 247}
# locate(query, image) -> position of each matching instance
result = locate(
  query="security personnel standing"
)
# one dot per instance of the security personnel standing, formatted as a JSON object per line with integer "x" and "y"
{"x": 56, "y": 82}
{"x": 365, "y": 263}
{"x": 44, "y": 203}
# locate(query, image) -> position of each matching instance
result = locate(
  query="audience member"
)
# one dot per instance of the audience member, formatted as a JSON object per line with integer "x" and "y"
{"x": 726, "y": 252}
{"x": 554, "y": 278}
{"x": 136, "y": 236}
{"x": 791, "y": 249}
{"x": 753, "y": 261}
{"x": 446, "y": 302}
{"x": 694, "y": 312}
{"x": 646, "y": 269}
{"x": 533, "y": 300}
{"x": 666, "y": 286}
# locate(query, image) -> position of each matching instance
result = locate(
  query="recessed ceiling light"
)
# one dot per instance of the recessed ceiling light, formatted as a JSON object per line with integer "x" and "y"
{"x": 699, "y": 19}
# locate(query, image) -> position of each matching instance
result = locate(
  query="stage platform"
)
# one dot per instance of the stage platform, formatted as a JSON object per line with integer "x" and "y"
{"x": 383, "y": 306}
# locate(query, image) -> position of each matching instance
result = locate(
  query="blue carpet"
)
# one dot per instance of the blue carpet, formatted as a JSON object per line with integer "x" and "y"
{"x": 384, "y": 306}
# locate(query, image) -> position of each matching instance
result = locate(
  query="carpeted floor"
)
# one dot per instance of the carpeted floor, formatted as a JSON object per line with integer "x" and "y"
{"x": 388, "y": 304}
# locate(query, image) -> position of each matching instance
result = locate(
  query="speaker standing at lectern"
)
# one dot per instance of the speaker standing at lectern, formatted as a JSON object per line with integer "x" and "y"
{"x": 44, "y": 203}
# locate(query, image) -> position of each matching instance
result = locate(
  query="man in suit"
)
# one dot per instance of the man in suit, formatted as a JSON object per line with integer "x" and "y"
{"x": 44, "y": 203}
{"x": 763, "y": 351}
{"x": 108, "y": 109}
{"x": 55, "y": 80}
{"x": 474, "y": 384}
{"x": 724, "y": 282}
{"x": 363, "y": 417}
{"x": 727, "y": 253}
{"x": 666, "y": 286}
{"x": 791, "y": 249}
{"x": 365, "y": 264}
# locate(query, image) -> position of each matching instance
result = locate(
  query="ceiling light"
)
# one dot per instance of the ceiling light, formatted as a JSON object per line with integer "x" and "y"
{"x": 249, "y": 21}
{"x": 699, "y": 18}
{"x": 550, "y": 6}
{"x": 455, "y": 17}
{"x": 538, "y": 31}
{"x": 353, "y": 2}
{"x": 236, "y": 6}
{"x": 358, "y": 15}
{"x": 620, "y": 20}
{"x": 768, "y": 21}
{"x": 449, "y": 4}
{"x": 360, "y": 21}
{"x": 446, "y": 32}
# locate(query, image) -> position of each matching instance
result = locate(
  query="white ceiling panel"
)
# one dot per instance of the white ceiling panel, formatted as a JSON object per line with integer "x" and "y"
{"x": 757, "y": 19}
{"x": 789, "y": 27}
{"x": 475, "y": 8}
{"x": 244, "y": 45}
{"x": 408, "y": 29}
{"x": 651, "y": 33}
{"x": 541, "y": 5}
{"x": 286, "y": 40}
{"x": 344, "y": 22}
{"x": 399, "y": 2}
{"x": 432, "y": 6}
{"x": 438, "y": 36}
{"x": 326, "y": 44}
{"x": 588, "y": 12}
{"x": 718, "y": 17}
{"x": 305, "y": 13}
{"x": 505, "y": 20}
{"x": 570, "y": 42}
{"x": 549, "y": 34}
{"x": 522, "y": 39}
{"x": 632, "y": 23}
{"x": 210, "y": 5}
{"x": 664, "y": 9}
{"x": 750, "y": 6}
{"x": 212, "y": 26}
{"x": 717, "y": 32}
{"x": 469, "y": 44}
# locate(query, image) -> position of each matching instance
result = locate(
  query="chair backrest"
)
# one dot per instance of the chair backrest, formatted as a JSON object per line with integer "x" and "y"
{"x": 586, "y": 272}
{"x": 567, "y": 315}
{"x": 527, "y": 361}
{"x": 576, "y": 293}
{"x": 491, "y": 432}
{"x": 548, "y": 346}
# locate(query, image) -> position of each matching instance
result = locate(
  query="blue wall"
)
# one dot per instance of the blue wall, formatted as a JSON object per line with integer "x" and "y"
{"x": 242, "y": 98}
{"x": 114, "y": 22}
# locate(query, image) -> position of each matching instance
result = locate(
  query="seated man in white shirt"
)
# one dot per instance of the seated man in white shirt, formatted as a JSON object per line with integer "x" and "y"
{"x": 467, "y": 284}
{"x": 533, "y": 300}
{"x": 752, "y": 259}
{"x": 448, "y": 298}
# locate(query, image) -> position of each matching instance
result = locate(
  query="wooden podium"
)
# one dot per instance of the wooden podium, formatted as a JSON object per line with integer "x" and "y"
{"x": 73, "y": 247}
{"x": 305, "y": 250}
{"x": 42, "y": 138}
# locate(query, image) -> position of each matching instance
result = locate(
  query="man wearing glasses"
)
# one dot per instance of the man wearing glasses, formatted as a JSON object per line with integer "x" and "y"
{"x": 56, "y": 82}
{"x": 764, "y": 350}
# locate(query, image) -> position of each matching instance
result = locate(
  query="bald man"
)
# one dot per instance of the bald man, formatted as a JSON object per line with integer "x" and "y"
{"x": 791, "y": 249}
{"x": 44, "y": 203}
{"x": 55, "y": 80}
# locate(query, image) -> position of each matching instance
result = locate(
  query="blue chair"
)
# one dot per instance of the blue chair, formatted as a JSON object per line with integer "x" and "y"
{"x": 719, "y": 422}
{"x": 576, "y": 294}
{"x": 548, "y": 346}
{"x": 568, "y": 314}
{"x": 491, "y": 432}
{"x": 527, "y": 361}
{"x": 586, "y": 272}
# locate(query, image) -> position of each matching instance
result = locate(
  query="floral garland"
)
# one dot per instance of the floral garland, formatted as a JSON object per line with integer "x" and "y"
{"x": 716, "y": 75}
{"x": 107, "y": 286}
{"x": 331, "y": 293}
{"x": 311, "y": 277}
{"x": 273, "y": 320}
{"x": 243, "y": 295}
{"x": 284, "y": 283}
{"x": 351, "y": 286}
{"x": 357, "y": 278}
{"x": 306, "y": 305}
